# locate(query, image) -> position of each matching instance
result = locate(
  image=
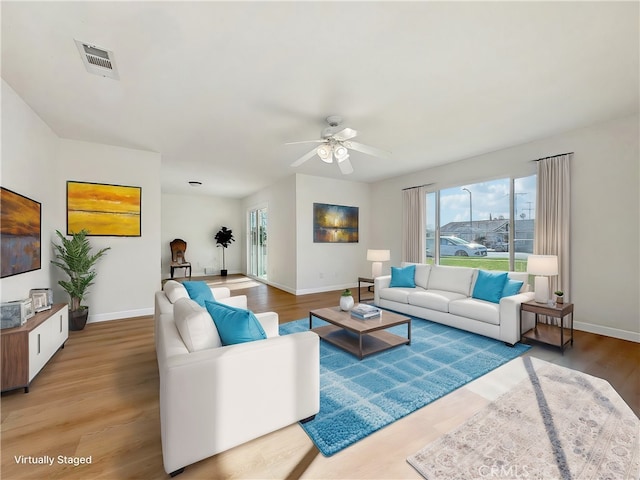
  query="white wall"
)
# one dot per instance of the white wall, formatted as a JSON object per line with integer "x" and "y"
{"x": 129, "y": 274}
{"x": 28, "y": 167}
{"x": 331, "y": 266}
{"x": 37, "y": 163}
{"x": 605, "y": 222}
{"x": 280, "y": 200}
{"x": 196, "y": 219}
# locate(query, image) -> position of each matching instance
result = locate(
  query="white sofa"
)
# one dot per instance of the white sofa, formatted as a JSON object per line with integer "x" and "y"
{"x": 216, "y": 397}
{"x": 443, "y": 294}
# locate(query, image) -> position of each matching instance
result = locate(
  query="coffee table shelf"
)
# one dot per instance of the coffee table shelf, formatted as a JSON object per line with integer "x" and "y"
{"x": 360, "y": 337}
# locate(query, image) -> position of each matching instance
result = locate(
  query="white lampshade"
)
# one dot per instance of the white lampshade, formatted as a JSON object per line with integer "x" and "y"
{"x": 377, "y": 257}
{"x": 542, "y": 266}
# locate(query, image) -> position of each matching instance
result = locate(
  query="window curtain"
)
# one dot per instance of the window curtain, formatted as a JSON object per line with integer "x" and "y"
{"x": 553, "y": 210}
{"x": 413, "y": 225}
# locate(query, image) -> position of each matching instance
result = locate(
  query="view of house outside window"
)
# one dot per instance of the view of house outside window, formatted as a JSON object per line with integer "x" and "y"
{"x": 475, "y": 227}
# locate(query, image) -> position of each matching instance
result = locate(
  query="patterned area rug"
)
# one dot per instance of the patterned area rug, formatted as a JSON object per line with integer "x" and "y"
{"x": 358, "y": 397}
{"x": 556, "y": 424}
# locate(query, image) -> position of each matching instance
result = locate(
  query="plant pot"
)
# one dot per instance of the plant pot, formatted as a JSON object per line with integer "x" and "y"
{"x": 559, "y": 299}
{"x": 223, "y": 273}
{"x": 78, "y": 319}
{"x": 346, "y": 303}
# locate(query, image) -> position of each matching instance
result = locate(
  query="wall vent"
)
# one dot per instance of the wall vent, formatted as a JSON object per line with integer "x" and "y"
{"x": 97, "y": 60}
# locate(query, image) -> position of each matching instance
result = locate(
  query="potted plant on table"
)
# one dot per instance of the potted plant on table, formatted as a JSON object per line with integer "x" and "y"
{"x": 223, "y": 238}
{"x": 74, "y": 257}
{"x": 346, "y": 300}
{"x": 559, "y": 296}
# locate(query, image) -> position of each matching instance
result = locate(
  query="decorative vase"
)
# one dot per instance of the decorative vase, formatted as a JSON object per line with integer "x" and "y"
{"x": 559, "y": 299}
{"x": 346, "y": 303}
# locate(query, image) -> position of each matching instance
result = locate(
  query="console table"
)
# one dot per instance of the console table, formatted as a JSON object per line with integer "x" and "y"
{"x": 28, "y": 348}
{"x": 557, "y": 335}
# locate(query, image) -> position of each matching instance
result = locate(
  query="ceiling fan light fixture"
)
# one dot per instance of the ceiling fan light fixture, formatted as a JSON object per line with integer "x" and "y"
{"x": 324, "y": 152}
{"x": 340, "y": 152}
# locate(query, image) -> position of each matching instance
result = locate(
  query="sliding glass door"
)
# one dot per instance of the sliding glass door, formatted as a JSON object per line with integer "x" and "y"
{"x": 257, "y": 249}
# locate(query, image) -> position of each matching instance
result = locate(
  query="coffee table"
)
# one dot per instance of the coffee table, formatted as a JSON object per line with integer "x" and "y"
{"x": 360, "y": 337}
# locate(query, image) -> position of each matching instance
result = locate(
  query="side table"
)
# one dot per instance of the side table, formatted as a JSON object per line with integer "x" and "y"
{"x": 557, "y": 335}
{"x": 364, "y": 280}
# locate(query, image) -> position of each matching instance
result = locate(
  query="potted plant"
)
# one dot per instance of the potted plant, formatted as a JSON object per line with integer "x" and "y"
{"x": 223, "y": 238}
{"x": 559, "y": 296}
{"x": 74, "y": 257}
{"x": 346, "y": 300}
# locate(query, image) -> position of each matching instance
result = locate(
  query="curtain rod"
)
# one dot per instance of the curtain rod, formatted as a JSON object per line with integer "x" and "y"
{"x": 418, "y": 186}
{"x": 553, "y": 156}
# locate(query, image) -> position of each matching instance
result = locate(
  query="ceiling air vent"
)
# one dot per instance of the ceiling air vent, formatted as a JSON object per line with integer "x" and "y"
{"x": 97, "y": 60}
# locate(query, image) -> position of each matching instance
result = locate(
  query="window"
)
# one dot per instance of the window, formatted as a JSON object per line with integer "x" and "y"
{"x": 476, "y": 226}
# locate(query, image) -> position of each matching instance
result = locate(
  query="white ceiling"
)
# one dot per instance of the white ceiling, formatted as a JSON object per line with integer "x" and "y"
{"x": 218, "y": 87}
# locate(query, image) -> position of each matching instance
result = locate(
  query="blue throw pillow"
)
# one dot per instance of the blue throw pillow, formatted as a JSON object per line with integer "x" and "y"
{"x": 403, "y": 276}
{"x": 512, "y": 287}
{"x": 235, "y": 325}
{"x": 489, "y": 286}
{"x": 199, "y": 292}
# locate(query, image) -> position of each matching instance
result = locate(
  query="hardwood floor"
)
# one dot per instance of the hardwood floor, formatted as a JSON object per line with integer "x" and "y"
{"x": 98, "y": 398}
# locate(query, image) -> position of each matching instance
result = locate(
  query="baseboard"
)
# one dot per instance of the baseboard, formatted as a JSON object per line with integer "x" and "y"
{"x": 608, "y": 331}
{"x": 329, "y": 288}
{"x": 104, "y": 317}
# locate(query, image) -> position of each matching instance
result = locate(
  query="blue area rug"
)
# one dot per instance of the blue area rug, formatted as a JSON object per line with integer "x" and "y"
{"x": 358, "y": 397}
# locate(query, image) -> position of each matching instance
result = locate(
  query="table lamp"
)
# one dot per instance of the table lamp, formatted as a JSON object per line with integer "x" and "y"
{"x": 377, "y": 257}
{"x": 542, "y": 266}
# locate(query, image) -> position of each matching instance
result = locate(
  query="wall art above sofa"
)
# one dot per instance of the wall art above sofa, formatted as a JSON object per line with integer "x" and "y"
{"x": 335, "y": 223}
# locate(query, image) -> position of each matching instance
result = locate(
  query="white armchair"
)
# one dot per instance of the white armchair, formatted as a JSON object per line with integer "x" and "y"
{"x": 214, "y": 399}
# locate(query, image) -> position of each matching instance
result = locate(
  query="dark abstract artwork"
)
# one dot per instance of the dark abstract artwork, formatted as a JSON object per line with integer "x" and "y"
{"x": 335, "y": 223}
{"x": 20, "y": 236}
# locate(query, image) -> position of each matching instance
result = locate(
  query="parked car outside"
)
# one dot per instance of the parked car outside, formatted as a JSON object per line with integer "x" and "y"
{"x": 454, "y": 246}
{"x": 501, "y": 247}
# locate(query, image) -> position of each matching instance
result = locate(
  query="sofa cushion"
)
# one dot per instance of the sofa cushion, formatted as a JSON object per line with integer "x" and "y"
{"x": 400, "y": 295}
{"x": 422, "y": 275}
{"x": 480, "y": 310}
{"x": 511, "y": 287}
{"x": 489, "y": 286}
{"x": 451, "y": 279}
{"x": 235, "y": 325}
{"x": 199, "y": 292}
{"x": 403, "y": 276}
{"x": 434, "y": 299}
{"x": 194, "y": 323}
{"x": 174, "y": 291}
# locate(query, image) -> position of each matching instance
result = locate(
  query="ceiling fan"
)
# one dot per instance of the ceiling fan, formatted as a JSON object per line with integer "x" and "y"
{"x": 335, "y": 145}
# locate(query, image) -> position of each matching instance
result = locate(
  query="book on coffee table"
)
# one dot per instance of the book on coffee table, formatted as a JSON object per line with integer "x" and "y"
{"x": 364, "y": 311}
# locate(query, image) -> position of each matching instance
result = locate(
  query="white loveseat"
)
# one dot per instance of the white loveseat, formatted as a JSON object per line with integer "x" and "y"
{"x": 216, "y": 397}
{"x": 443, "y": 294}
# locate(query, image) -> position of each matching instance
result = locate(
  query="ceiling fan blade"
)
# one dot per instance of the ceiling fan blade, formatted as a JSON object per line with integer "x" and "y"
{"x": 345, "y": 134}
{"x": 304, "y": 158}
{"x": 345, "y": 166}
{"x": 359, "y": 147}
{"x": 305, "y": 141}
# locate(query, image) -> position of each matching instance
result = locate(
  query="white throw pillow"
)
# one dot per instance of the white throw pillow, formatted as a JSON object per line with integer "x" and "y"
{"x": 174, "y": 291}
{"x": 195, "y": 325}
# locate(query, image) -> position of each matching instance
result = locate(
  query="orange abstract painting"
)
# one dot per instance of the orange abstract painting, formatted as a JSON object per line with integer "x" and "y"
{"x": 104, "y": 210}
{"x": 20, "y": 220}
